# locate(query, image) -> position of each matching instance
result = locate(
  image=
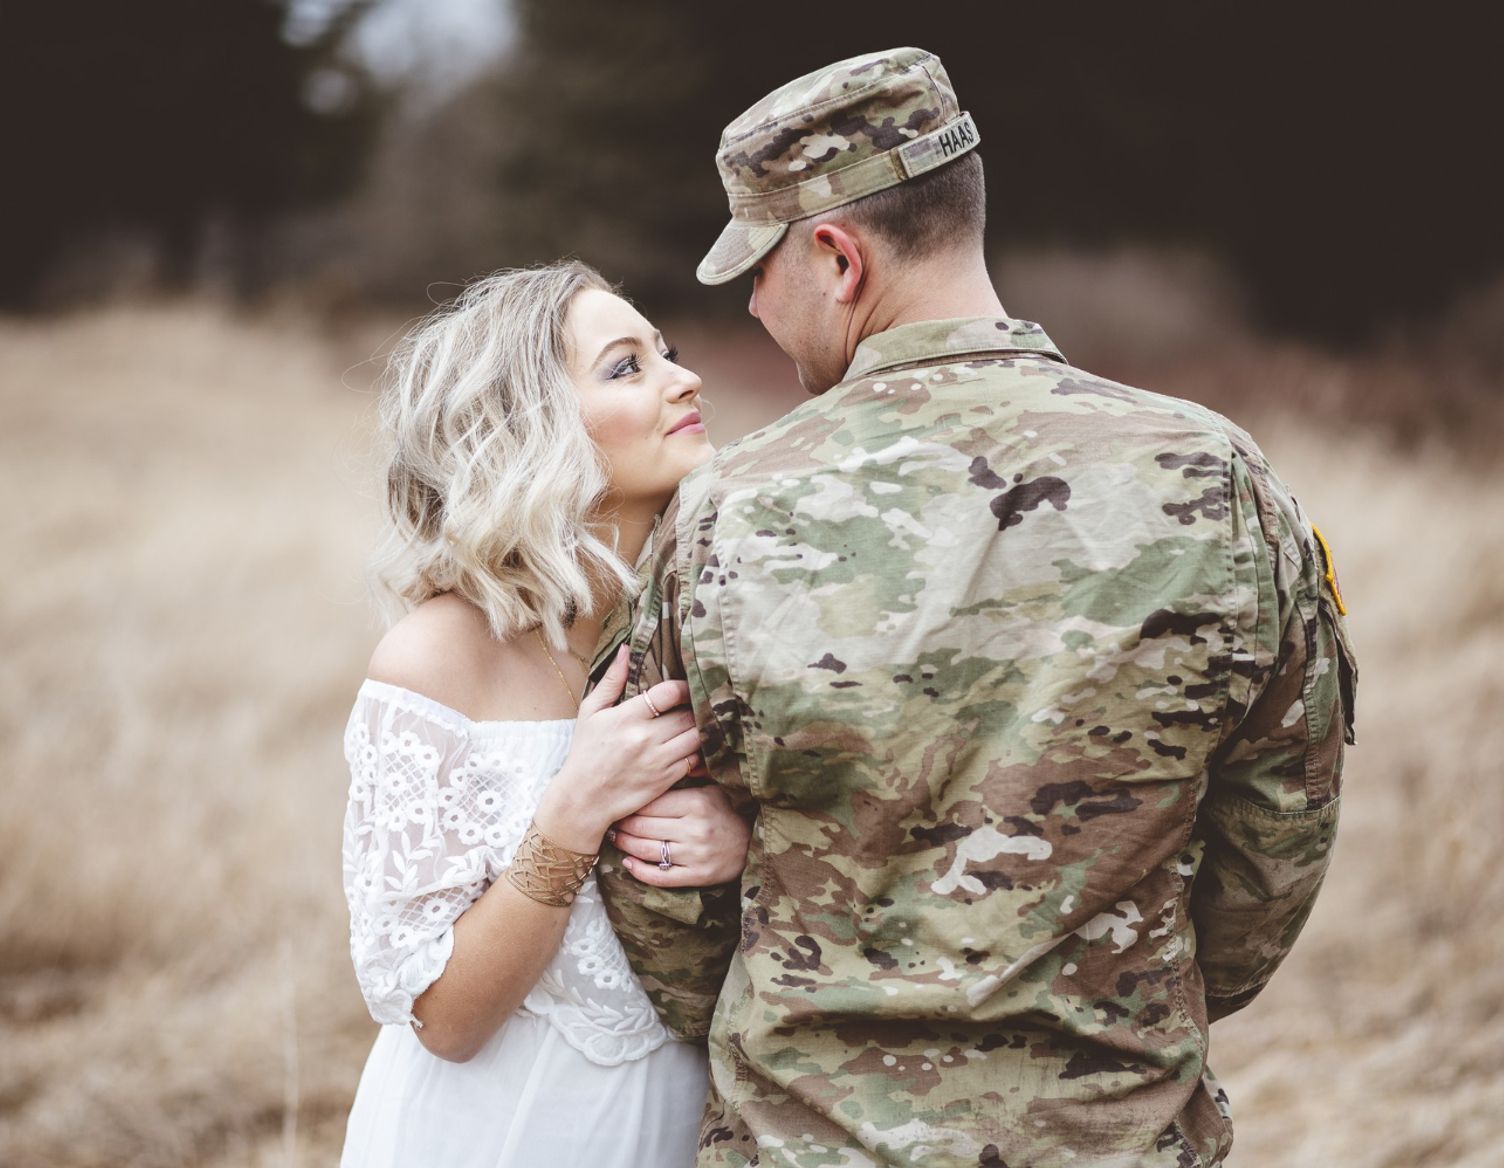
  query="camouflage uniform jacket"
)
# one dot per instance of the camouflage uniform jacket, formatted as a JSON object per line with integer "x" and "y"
{"x": 1039, "y": 687}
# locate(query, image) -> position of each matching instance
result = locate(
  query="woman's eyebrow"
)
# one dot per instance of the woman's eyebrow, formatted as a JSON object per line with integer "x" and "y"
{"x": 609, "y": 345}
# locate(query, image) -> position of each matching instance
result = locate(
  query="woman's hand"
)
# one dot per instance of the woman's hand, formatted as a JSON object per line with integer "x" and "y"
{"x": 707, "y": 839}
{"x": 620, "y": 758}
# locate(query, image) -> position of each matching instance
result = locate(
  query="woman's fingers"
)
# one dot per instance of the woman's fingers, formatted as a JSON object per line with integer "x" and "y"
{"x": 707, "y": 843}
{"x": 667, "y": 695}
{"x": 679, "y": 876}
{"x": 680, "y": 802}
{"x": 685, "y": 746}
{"x": 670, "y": 727}
{"x": 695, "y": 840}
{"x": 689, "y": 813}
{"x": 612, "y": 682}
{"x": 650, "y": 849}
{"x": 650, "y": 826}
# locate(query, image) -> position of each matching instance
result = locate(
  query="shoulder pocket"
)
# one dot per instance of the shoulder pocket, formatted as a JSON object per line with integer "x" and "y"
{"x": 1334, "y": 612}
{"x": 1347, "y": 663}
{"x": 1330, "y": 685}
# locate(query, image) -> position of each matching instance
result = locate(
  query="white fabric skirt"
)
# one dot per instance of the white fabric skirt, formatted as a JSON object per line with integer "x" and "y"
{"x": 527, "y": 1100}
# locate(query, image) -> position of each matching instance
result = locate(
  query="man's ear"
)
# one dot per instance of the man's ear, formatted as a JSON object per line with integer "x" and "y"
{"x": 842, "y": 258}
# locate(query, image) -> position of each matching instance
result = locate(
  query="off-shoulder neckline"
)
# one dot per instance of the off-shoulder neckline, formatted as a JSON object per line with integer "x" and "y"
{"x": 370, "y": 687}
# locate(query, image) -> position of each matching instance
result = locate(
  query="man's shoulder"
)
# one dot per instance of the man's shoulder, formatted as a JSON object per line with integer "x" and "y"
{"x": 1016, "y": 401}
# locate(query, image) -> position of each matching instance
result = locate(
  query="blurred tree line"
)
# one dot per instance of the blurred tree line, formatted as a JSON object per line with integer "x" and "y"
{"x": 188, "y": 127}
{"x": 1336, "y": 158}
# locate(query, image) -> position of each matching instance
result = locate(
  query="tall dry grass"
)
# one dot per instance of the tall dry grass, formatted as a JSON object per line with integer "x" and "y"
{"x": 187, "y": 507}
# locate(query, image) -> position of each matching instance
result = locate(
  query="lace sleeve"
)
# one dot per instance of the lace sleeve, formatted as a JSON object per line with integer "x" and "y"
{"x": 432, "y": 818}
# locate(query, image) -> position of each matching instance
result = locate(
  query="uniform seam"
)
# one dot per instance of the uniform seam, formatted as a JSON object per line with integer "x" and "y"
{"x": 1229, "y": 594}
{"x": 1182, "y": 894}
{"x": 689, "y": 582}
{"x": 1188, "y": 825}
{"x": 952, "y": 357}
{"x": 1255, "y": 544}
{"x": 1309, "y": 625}
{"x": 923, "y": 64}
{"x": 729, "y": 638}
{"x": 1249, "y": 807}
{"x": 728, "y": 641}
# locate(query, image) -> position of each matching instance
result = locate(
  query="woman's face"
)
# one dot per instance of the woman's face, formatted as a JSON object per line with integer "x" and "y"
{"x": 641, "y": 407}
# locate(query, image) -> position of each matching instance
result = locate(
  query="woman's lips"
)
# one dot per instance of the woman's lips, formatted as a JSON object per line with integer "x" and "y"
{"x": 689, "y": 424}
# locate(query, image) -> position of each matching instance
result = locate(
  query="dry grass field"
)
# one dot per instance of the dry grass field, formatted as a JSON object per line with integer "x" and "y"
{"x": 186, "y": 501}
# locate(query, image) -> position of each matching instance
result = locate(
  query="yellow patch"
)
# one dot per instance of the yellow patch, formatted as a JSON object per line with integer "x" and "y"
{"x": 1331, "y": 569}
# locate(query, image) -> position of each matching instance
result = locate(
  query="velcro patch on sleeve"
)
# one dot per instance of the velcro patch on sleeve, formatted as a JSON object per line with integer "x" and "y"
{"x": 1331, "y": 569}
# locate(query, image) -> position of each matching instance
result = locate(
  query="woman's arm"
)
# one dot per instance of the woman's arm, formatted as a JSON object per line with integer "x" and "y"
{"x": 508, "y": 939}
{"x": 620, "y": 758}
{"x": 502, "y": 943}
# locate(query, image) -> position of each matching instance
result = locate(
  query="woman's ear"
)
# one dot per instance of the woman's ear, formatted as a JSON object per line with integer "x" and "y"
{"x": 845, "y": 256}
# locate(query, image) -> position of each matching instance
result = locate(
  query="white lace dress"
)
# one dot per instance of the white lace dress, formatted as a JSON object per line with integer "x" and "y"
{"x": 584, "y": 1072}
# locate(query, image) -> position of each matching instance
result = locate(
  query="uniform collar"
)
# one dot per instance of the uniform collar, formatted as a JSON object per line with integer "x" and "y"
{"x": 931, "y": 340}
{"x": 618, "y": 623}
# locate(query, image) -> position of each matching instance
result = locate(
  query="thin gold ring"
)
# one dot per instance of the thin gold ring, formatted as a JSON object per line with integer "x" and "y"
{"x": 657, "y": 713}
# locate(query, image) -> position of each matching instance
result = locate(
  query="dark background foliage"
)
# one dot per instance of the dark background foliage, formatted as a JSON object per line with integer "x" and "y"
{"x": 1338, "y": 159}
{"x": 161, "y": 117}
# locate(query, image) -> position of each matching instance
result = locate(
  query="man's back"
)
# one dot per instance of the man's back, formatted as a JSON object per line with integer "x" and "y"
{"x": 979, "y": 634}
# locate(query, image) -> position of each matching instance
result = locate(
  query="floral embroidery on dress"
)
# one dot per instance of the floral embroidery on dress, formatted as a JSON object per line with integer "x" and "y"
{"x": 437, "y": 807}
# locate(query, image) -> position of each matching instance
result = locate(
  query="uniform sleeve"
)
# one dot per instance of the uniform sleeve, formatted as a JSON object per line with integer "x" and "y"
{"x": 426, "y": 831}
{"x": 679, "y": 941}
{"x": 1270, "y": 811}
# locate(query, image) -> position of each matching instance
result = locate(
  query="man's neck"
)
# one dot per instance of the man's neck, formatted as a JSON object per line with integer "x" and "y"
{"x": 944, "y": 288}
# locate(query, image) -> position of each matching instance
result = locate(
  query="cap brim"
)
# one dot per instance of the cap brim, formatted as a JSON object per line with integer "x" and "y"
{"x": 740, "y": 246}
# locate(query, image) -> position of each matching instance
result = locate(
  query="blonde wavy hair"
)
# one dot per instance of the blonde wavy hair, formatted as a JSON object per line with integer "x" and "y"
{"x": 493, "y": 480}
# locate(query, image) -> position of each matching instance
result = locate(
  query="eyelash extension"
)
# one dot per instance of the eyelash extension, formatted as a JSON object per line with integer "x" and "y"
{"x": 629, "y": 365}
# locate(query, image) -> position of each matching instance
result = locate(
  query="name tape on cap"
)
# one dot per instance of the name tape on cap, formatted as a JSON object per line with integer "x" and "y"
{"x": 940, "y": 146}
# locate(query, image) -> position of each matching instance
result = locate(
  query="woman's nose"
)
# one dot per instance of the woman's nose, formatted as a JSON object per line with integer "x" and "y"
{"x": 687, "y": 384}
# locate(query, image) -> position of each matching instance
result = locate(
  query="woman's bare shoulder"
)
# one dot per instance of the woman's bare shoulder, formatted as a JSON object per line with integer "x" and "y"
{"x": 444, "y": 650}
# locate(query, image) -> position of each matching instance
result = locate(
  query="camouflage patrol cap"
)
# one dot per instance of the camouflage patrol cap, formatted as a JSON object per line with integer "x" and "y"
{"x": 833, "y": 136}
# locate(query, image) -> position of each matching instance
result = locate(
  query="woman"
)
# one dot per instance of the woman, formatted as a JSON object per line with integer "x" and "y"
{"x": 539, "y": 426}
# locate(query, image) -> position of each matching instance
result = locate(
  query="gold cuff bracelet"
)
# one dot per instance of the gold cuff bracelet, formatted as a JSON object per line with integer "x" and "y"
{"x": 548, "y": 872}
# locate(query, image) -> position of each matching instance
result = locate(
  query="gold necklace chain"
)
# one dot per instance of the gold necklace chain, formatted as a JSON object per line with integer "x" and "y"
{"x": 569, "y": 689}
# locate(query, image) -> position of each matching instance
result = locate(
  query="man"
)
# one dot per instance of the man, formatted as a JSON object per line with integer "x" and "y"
{"x": 1038, "y": 686}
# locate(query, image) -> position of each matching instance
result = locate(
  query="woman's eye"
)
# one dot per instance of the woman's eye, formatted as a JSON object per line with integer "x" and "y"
{"x": 625, "y": 367}
{"x": 672, "y": 356}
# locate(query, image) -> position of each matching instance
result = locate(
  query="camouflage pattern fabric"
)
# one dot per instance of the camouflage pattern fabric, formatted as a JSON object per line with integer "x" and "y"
{"x": 829, "y": 138}
{"x": 1041, "y": 698}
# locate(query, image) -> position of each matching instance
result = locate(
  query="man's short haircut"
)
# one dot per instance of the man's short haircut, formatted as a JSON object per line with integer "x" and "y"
{"x": 937, "y": 212}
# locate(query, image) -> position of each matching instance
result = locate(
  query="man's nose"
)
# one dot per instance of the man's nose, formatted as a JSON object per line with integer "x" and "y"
{"x": 752, "y": 300}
